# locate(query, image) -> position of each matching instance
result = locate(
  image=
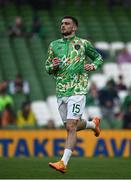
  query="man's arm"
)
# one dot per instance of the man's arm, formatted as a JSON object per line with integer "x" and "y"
{"x": 94, "y": 56}
{"x": 52, "y": 63}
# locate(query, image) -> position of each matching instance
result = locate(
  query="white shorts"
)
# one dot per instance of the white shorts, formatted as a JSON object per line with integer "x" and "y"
{"x": 71, "y": 107}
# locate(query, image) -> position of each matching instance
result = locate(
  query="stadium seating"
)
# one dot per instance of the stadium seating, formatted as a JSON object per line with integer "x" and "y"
{"x": 108, "y": 29}
{"x": 53, "y": 106}
{"x": 96, "y": 22}
{"x": 116, "y": 47}
{"x": 38, "y": 52}
{"x": 102, "y": 45}
{"x": 42, "y": 112}
{"x": 93, "y": 111}
{"x": 126, "y": 72}
{"x": 99, "y": 80}
{"x": 111, "y": 70}
{"x": 9, "y": 67}
{"x": 26, "y": 66}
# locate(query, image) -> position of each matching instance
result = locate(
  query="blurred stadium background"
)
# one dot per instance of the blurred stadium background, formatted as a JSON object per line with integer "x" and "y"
{"x": 26, "y": 29}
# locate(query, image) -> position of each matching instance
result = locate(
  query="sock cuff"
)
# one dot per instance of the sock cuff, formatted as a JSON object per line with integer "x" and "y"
{"x": 68, "y": 150}
{"x": 90, "y": 125}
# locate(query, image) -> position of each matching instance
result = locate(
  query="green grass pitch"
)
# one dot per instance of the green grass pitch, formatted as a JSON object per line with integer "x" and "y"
{"x": 37, "y": 168}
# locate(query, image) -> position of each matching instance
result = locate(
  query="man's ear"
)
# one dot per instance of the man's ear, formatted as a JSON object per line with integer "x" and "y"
{"x": 75, "y": 27}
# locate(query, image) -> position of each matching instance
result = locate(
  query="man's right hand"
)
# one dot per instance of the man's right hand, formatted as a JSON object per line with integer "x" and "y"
{"x": 55, "y": 62}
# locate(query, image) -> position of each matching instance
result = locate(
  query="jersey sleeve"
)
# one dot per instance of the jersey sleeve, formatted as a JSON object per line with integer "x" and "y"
{"x": 93, "y": 55}
{"x": 48, "y": 63}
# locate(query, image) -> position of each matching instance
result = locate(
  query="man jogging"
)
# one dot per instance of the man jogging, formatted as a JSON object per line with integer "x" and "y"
{"x": 68, "y": 62}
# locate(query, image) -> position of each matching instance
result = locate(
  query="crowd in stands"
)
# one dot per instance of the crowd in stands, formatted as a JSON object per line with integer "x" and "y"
{"x": 39, "y": 4}
{"x": 123, "y": 57}
{"x": 15, "y": 104}
{"x": 107, "y": 99}
{"x": 18, "y": 28}
{"x": 13, "y": 112}
{"x": 18, "y": 112}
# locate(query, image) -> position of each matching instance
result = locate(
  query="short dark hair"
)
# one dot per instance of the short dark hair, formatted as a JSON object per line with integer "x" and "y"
{"x": 72, "y": 18}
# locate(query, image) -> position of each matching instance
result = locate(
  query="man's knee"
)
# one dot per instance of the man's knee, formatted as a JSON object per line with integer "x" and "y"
{"x": 71, "y": 125}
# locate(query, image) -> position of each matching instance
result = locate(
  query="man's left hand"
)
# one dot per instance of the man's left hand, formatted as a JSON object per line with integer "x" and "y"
{"x": 89, "y": 67}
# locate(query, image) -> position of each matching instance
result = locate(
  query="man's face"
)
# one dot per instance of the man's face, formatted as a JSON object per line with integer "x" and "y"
{"x": 67, "y": 27}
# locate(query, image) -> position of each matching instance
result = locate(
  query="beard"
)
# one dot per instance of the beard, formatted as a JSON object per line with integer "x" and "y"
{"x": 66, "y": 33}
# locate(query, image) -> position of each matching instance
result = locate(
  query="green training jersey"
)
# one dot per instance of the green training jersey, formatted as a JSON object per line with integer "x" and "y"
{"x": 73, "y": 53}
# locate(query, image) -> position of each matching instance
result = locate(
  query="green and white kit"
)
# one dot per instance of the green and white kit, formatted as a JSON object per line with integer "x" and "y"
{"x": 73, "y": 53}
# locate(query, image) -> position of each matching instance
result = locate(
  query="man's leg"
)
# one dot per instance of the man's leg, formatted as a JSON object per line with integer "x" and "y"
{"x": 73, "y": 108}
{"x": 81, "y": 125}
{"x": 71, "y": 127}
{"x": 61, "y": 165}
{"x": 93, "y": 125}
{"x": 85, "y": 124}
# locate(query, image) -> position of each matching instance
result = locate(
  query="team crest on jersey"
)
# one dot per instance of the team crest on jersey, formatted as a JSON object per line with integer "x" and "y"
{"x": 77, "y": 46}
{"x": 59, "y": 47}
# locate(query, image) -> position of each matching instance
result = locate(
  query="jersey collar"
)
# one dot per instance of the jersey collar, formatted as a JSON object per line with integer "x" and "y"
{"x": 69, "y": 38}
